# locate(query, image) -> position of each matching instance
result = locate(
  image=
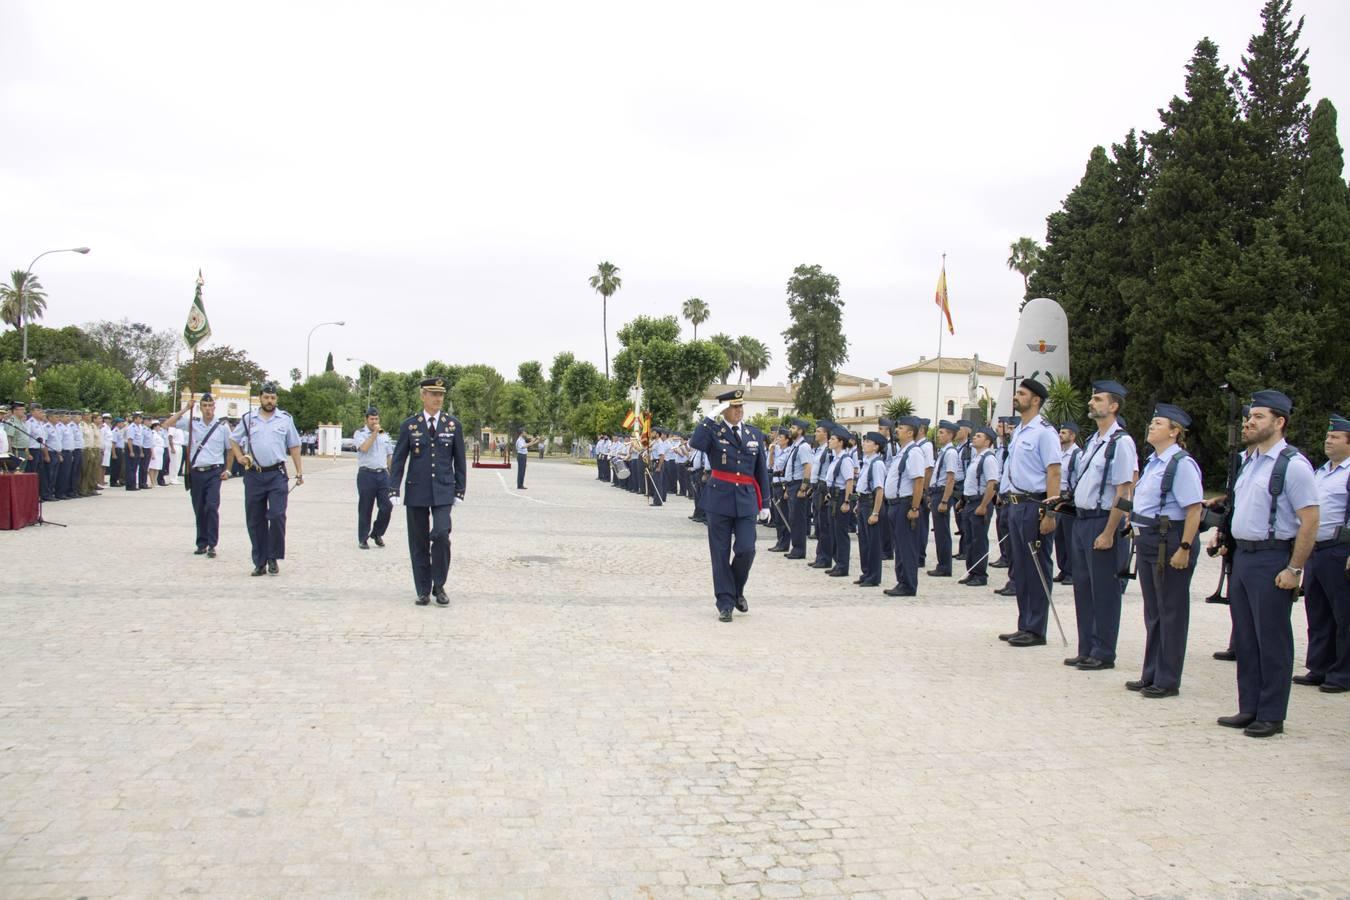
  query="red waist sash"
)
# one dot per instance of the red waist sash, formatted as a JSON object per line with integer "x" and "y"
{"x": 738, "y": 478}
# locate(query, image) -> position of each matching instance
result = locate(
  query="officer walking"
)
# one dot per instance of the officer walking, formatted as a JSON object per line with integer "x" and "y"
{"x": 260, "y": 443}
{"x": 733, "y": 499}
{"x": 1030, "y": 478}
{"x": 1275, "y": 522}
{"x": 1101, "y": 493}
{"x": 373, "y": 453}
{"x": 1069, "y": 456}
{"x": 208, "y": 449}
{"x": 1326, "y": 584}
{"x": 1167, "y": 506}
{"x": 523, "y": 444}
{"x": 942, "y": 495}
{"x": 431, "y": 445}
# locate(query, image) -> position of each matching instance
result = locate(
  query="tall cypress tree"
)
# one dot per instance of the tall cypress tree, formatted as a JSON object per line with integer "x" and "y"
{"x": 816, "y": 345}
{"x": 1274, "y": 93}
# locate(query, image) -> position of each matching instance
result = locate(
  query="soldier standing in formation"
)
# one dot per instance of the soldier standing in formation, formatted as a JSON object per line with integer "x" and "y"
{"x": 1326, "y": 583}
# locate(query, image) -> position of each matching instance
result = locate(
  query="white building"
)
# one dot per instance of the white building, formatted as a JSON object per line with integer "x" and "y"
{"x": 770, "y": 399}
{"x": 944, "y": 399}
{"x": 859, "y": 402}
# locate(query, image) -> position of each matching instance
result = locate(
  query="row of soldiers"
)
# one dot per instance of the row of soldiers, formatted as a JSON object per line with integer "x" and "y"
{"x": 1285, "y": 528}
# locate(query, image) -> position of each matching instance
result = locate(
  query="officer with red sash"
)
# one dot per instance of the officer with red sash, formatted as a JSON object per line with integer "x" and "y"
{"x": 735, "y": 496}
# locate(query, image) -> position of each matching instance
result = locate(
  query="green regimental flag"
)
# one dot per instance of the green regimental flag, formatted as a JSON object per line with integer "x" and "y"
{"x": 198, "y": 328}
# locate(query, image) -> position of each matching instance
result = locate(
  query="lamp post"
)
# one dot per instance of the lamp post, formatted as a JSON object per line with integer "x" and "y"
{"x": 369, "y": 380}
{"x": 28, "y": 273}
{"x": 307, "y": 340}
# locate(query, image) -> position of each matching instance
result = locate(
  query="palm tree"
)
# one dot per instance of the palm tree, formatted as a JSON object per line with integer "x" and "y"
{"x": 606, "y": 281}
{"x": 1024, "y": 256}
{"x": 754, "y": 358}
{"x": 899, "y": 407}
{"x": 731, "y": 348}
{"x": 697, "y": 312}
{"x": 1064, "y": 402}
{"x": 22, "y": 301}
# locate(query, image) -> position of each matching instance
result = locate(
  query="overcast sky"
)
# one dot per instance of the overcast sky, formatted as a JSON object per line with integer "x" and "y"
{"x": 446, "y": 176}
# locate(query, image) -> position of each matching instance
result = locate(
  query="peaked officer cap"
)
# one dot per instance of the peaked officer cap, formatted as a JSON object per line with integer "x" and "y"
{"x": 268, "y": 387}
{"x": 910, "y": 421}
{"x": 372, "y": 410}
{"x": 435, "y": 384}
{"x": 732, "y": 398}
{"x": 964, "y": 423}
{"x": 207, "y": 398}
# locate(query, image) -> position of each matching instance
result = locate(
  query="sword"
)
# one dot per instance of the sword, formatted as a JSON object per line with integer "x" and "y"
{"x": 1001, "y": 539}
{"x": 1034, "y": 547}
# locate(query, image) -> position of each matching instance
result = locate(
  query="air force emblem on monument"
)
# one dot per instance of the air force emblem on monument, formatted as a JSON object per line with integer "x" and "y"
{"x": 1041, "y": 347}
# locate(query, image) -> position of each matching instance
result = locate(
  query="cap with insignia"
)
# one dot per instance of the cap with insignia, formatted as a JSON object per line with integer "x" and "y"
{"x": 268, "y": 387}
{"x": 1273, "y": 400}
{"x": 987, "y": 432}
{"x": 435, "y": 384}
{"x": 1069, "y": 426}
{"x": 949, "y": 425}
{"x": 1109, "y": 386}
{"x": 19, "y": 404}
{"x": 875, "y": 437}
{"x": 1339, "y": 423}
{"x": 1035, "y": 387}
{"x": 732, "y": 398}
{"x": 372, "y": 411}
{"x": 1173, "y": 412}
{"x": 207, "y": 398}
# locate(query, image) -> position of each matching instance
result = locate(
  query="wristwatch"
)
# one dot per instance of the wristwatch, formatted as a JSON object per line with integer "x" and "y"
{"x": 1298, "y": 573}
{"x": 1186, "y": 545}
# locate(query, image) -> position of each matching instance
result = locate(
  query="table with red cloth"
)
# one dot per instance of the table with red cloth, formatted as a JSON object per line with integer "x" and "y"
{"x": 18, "y": 500}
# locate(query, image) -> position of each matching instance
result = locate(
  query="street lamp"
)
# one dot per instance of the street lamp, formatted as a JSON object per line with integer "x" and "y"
{"x": 28, "y": 273}
{"x": 369, "y": 379}
{"x": 311, "y": 334}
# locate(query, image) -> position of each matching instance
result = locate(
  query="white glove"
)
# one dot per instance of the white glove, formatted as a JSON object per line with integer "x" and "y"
{"x": 763, "y": 515}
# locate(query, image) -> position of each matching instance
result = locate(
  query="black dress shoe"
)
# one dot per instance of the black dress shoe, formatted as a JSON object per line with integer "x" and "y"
{"x": 958, "y": 556}
{"x": 1241, "y": 720}
{"x": 795, "y": 556}
{"x": 837, "y": 573}
{"x": 1225, "y": 655}
{"x": 938, "y": 573}
{"x": 724, "y": 616}
{"x": 441, "y": 598}
{"x": 1093, "y": 664}
{"x": 965, "y": 580}
{"x": 820, "y": 565}
{"x": 898, "y": 591}
{"x": 1007, "y": 591}
{"x": 1309, "y": 680}
{"x": 977, "y": 582}
{"x": 272, "y": 567}
{"x": 259, "y": 570}
{"x": 200, "y": 551}
{"x": 1137, "y": 685}
{"x": 1058, "y": 578}
{"x": 1009, "y": 635}
{"x": 363, "y": 545}
{"x": 869, "y": 584}
{"x": 1153, "y": 692}
{"x": 423, "y": 599}
{"x": 1067, "y": 580}
{"x": 888, "y": 557}
{"x": 999, "y": 564}
{"x": 1333, "y": 688}
{"x": 1073, "y": 660}
{"x": 858, "y": 580}
{"x": 778, "y": 548}
{"x": 742, "y": 605}
{"x": 210, "y": 552}
{"x": 1263, "y": 729}
{"x": 379, "y": 541}
{"x": 1026, "y": 639}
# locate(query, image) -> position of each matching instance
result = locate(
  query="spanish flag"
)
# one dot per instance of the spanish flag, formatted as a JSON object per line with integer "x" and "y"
{"x": 941, "y": 298}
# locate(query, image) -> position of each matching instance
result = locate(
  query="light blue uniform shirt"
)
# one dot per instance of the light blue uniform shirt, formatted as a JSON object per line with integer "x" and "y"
{"x": 900, "y": 480}
{"x": 147, "y": 437}
{"x": 75, "y": 435}
{"x": 959, "y": 467}
{"x": 1187, "y": 487}
{"x": 780, "y": 455}
{"x": 1067, "y": 478}
{"x": 1096, "y": 487}
{"x": 1033, "y": 448}
{"x": 947, "y": 462}
{"x": 798, "y": 455}
{"x": 271, "y": 438}
{"x": 983, "y": 469}
{"x": 823, "y": 457}
{"x": 841, "y": 470}
{"x": 522, "y": 445}
{"x": 217, "y": 442}
{"x": 1251, "y": 506}
{"x": 119, "y": 438}
{"x": 377, "y": 457}
{"x": 872, "y": 474}
{"x": 1332, "y": 482}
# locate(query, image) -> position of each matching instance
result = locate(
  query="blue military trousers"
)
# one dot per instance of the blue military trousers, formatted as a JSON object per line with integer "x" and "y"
{"x": 1263, "y": 634}
{"x": 1167, "y": 606}
{"x": 204, "y": 484}
{"x": 265, "y": 513}
{"x": 1024, "y": 539}
{"x": 1096, "y": 589}
{"x": 731, "y": 544}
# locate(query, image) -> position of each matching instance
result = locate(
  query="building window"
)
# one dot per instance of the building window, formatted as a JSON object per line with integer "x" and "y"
{"x": 951, "y": 407}
{"x": 773, "y": 412}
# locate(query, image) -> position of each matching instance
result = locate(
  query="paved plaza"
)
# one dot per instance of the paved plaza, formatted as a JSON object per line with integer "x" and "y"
{"x": 578, "y": 724}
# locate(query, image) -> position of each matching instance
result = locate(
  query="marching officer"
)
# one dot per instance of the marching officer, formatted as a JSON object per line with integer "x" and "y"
{"x": 1029, "y": 479}
{"x": 1275, "y": 521}
{"x": 1101, "y": 493}
{"x": 208, "y": 449}
{"x": 373, "y": 453}
{"x": 431, "y": 445}
{"x": 1326, "y": 584}
{"x": 1069, "y": 456}
{"x": 1167, "y": 506}
{"x": 733, "y": 499}
{"x": 260, "y": 443}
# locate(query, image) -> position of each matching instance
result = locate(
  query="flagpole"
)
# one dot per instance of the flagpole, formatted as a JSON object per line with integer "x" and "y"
{"x": 192, "y": 386}
{"x": 937, "y": 398}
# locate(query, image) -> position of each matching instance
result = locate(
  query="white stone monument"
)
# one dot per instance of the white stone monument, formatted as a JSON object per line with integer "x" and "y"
{"x": 1040, "y": 349}
{"x": 330, "y": 439}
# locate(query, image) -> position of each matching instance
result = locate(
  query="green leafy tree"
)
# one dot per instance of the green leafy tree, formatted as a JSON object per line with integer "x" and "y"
{"x": 49, "y": 347}
{"x": 898, "y": 406}
{"x": 674, "y": 374}
{"x": 518, "y": 408}
{"x": 328, "y": 364}
{"x": 470, "y": 395}
{"x": 605, "y": 282}
{"x": 1024, "y": 254}
{"x": 222, "y": 363}
{"x": 295, "y": 376}
{"x": 22, "y": 300}
{"x": 731, "y": 349}
{"x": 816, "y": 345}
{"x": 1273, "y": 93}
{"x": 397, "y": 396}
{"x": 137, "y": 350}
{"x": 86, "y": 384}
{"x": 696, "y": 312}
{"x": 753, "y": 357}
{"x": 582, "y": 384}
{"x": 13, "y": 381}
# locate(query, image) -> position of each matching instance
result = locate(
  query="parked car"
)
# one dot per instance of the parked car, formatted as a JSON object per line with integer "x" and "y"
{"x": 349, "y": 445}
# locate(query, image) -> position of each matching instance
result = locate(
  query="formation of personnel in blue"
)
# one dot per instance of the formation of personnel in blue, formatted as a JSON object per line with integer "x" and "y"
{"x": 1091, "y": 510}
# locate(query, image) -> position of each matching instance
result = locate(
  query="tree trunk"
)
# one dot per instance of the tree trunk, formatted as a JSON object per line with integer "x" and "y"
{"x": 604, "y": 319}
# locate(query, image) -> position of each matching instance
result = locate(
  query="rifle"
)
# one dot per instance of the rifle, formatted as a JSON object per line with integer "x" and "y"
{"x": 1222, "y": 518}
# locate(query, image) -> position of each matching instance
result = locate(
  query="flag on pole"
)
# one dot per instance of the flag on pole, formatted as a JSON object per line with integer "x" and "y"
{"x": 198, "y": 328}
{"x": 634, "y": 418}
{"x": 941, "y": 299}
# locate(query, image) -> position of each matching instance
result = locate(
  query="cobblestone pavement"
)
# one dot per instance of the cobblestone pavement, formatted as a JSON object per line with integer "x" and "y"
{"x": 578, "y": 723}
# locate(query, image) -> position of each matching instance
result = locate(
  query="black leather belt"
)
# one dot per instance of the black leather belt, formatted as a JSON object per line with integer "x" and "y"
{"x": 1014, "y": 497}
{"x": 971, "y": 498}
{"x": 898, "y": 501}
{"x": 1093, "y": 513}
{"x": 278, "y": 467}
{"x": 207, "y": 468}
{"x": 1323, "y": 545}
{"x": 1265, "y": 545}
{"x": 374, "y": 469}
